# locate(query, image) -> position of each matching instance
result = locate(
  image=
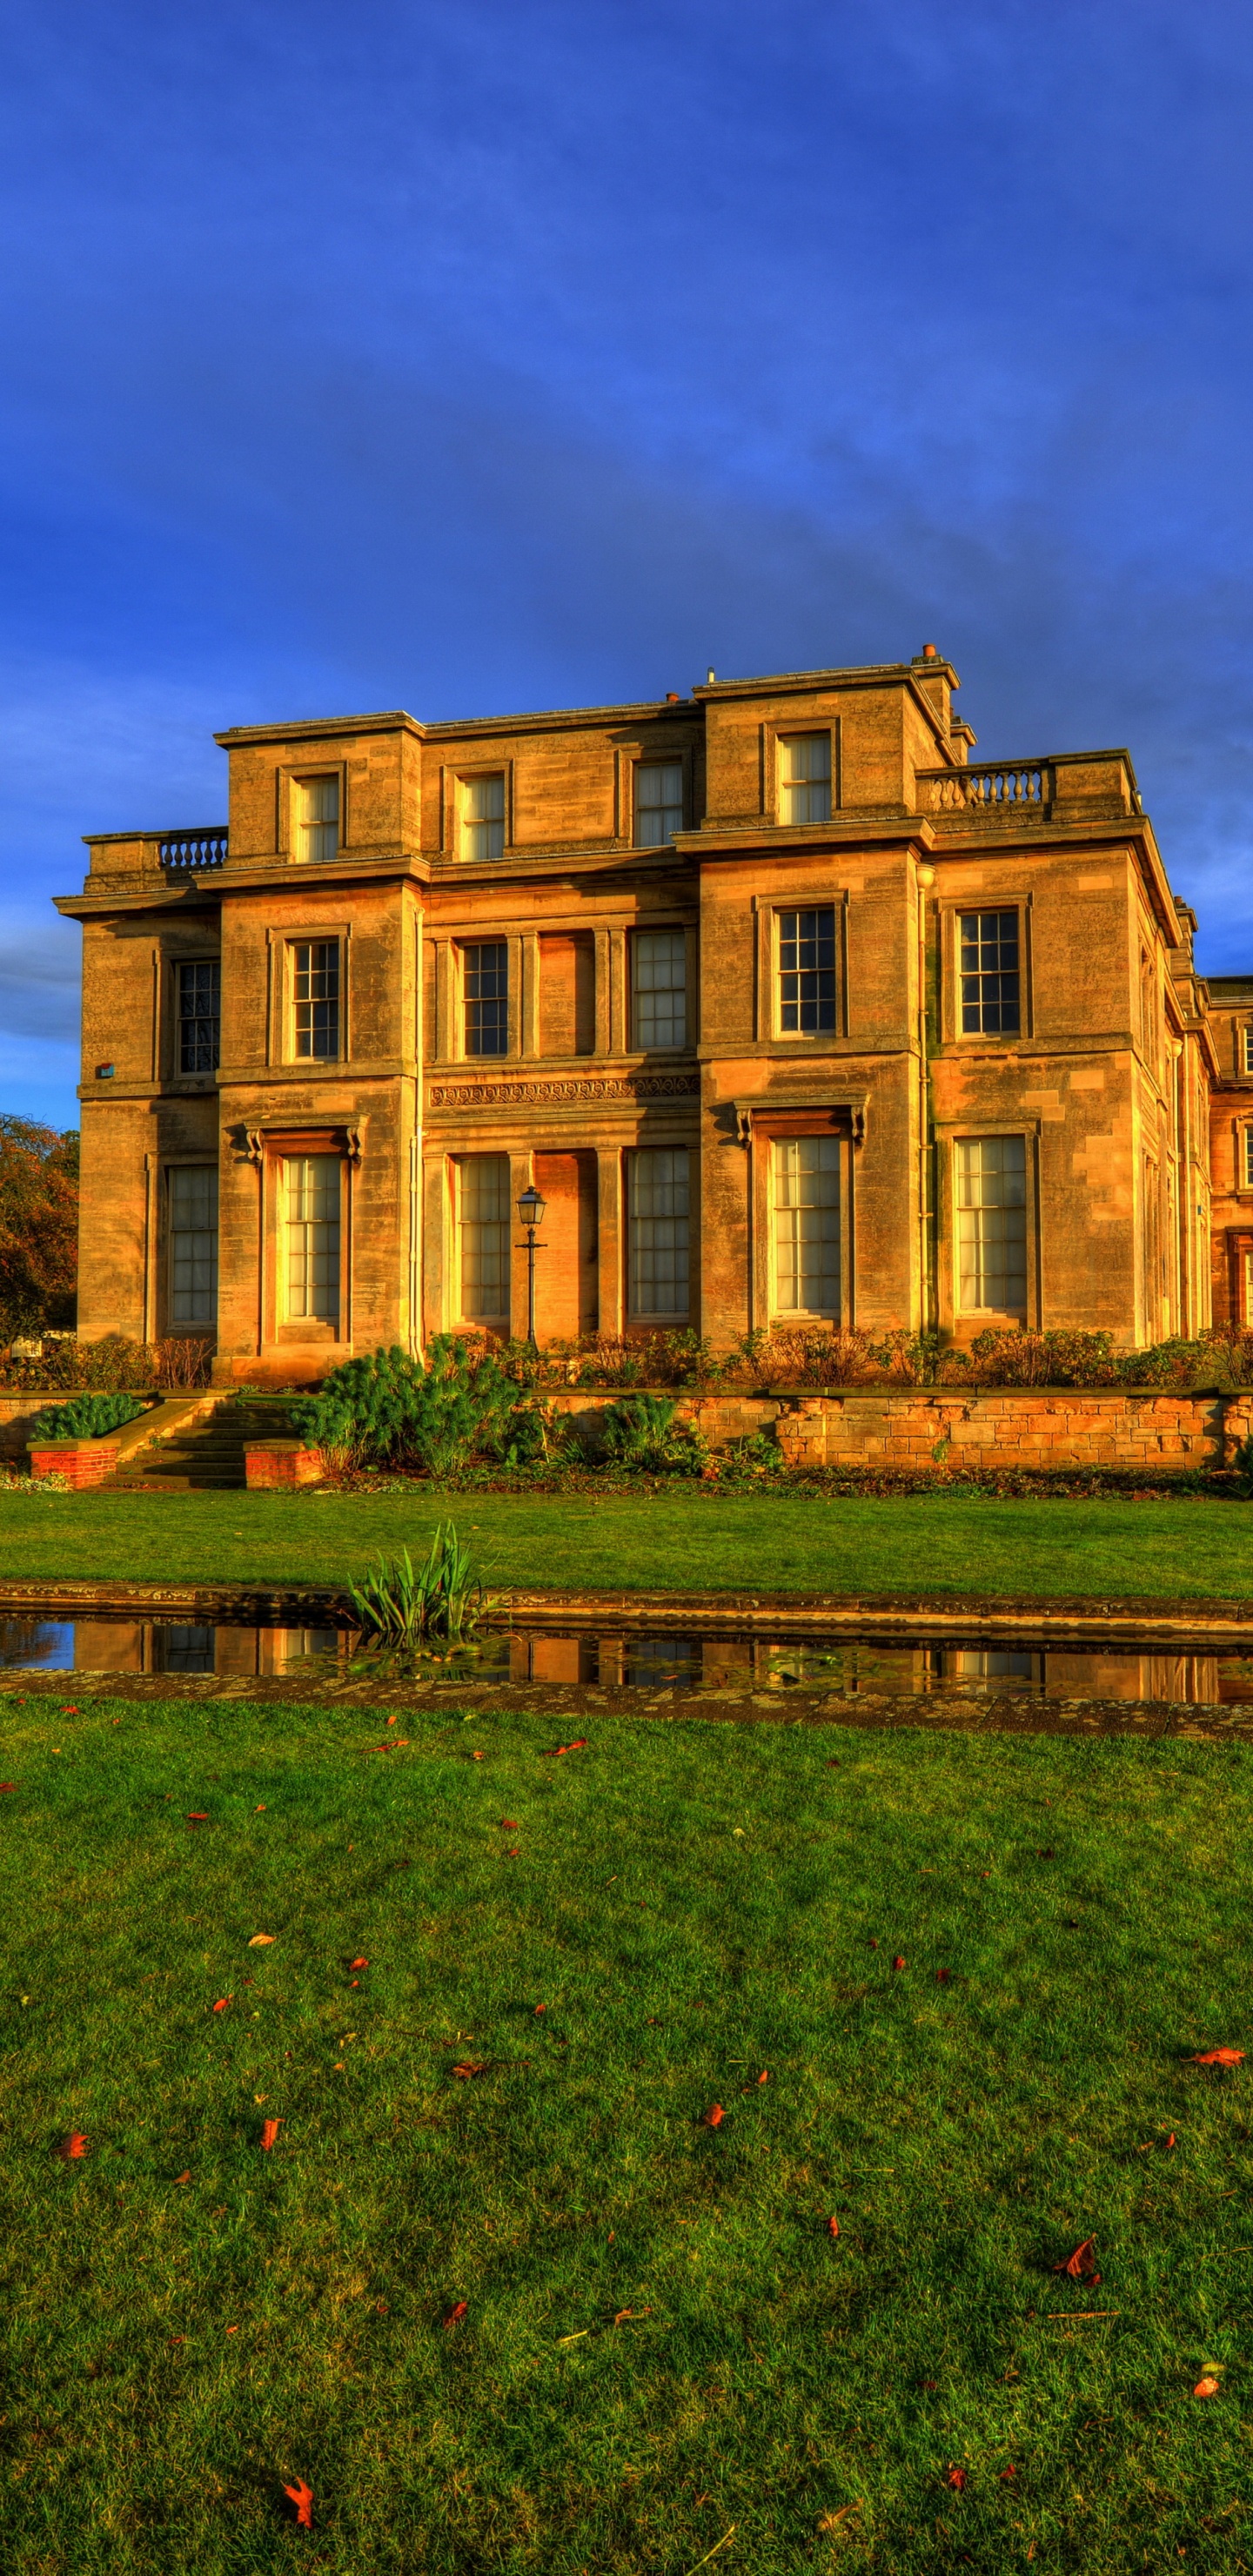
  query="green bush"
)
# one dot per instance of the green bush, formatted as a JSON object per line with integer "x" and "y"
{"x": 641, "y": 1431}
{"x": 389, "y": 1410}
{"x": 87, "y": 1417}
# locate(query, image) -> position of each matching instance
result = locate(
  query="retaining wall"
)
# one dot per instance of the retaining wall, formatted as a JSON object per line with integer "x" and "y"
{"x": 921, "y": 1428}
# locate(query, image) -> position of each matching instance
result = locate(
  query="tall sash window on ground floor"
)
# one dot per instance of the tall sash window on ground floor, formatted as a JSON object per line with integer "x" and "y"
{"x": 312, "y": 1228}
{"x": 657, "y": 1227}
{"x": 481, "y": 1188}
{"x": 992, "y": 1224}
{"x": 807, "y": 1225}
{"x": 193, "y": 1244}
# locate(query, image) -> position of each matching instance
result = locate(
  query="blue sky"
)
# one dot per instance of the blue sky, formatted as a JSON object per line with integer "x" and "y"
{"x": 513, "y": 353}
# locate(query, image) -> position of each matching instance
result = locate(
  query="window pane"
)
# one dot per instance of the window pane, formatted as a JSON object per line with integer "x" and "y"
{"x": 193, "y": 1245}
{"x": 315, "y": 990}
{"x": 805, "y": 771}
{"x": 482, "y": 818}
{"x": 658, "y": 801}
{"x": 483, "y": 1214}
{"x": 657, "y": 1204}
{"x": 992, "y": 1223}
{"x": 807, "y": 970}
{"x": 319, "y": 818}
{"x": 313, "y": 1236}
{"x": 199, "y": 1015}
{"x": 1248, "y": 1158}
{"x": 1248, "y": 1050}
{"x": 659, "y": 986}
{"x": 807, "y": 1225}
{"x": 989, "y": 971}
{"x": 486, "y": 971}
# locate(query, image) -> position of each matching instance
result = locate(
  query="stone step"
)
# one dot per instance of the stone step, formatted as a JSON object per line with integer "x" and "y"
{"x": 208, "y": 1456}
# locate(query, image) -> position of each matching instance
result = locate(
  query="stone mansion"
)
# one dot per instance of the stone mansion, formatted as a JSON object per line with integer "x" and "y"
{"x": 791, "y": 1011}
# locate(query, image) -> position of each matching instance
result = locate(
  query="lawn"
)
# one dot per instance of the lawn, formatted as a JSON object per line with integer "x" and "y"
{"x": 689, "y": 1540}
{"x": 542, "y": 2317}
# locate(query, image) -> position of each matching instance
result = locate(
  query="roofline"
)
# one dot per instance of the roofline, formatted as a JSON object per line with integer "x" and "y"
{"x": 635, "y": 710}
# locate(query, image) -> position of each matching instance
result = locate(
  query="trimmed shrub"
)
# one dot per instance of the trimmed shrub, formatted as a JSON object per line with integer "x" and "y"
{"x": 86, "y": 1417}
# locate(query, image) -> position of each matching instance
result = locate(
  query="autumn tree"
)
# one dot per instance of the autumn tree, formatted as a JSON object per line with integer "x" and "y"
{"x": 38, "y": 1225}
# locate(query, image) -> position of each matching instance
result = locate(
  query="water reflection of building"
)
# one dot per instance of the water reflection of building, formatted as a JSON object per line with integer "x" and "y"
{"x": 175, "y": 1646}
{"x": 860, "y": 1669}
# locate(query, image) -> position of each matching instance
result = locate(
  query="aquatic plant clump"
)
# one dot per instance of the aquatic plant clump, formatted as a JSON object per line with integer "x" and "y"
{"x": 403, "y": 1605}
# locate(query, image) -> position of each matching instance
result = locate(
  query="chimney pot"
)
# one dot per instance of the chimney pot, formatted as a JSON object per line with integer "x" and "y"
{"x": 929, "y": 653}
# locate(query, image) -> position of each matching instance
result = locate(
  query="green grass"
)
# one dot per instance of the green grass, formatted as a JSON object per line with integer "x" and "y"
{"x": 946, "y": 1543}
{"x": 692, "y": 1904}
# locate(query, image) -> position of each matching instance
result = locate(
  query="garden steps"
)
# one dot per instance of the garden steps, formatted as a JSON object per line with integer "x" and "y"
{"x": 208, "y": 1456}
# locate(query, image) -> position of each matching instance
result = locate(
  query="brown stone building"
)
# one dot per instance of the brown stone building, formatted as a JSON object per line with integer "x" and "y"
{"x": 790, "y": 1011}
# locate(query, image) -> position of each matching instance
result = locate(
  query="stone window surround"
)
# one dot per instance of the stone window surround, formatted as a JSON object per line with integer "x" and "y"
{"x": 766, "y": 1009}
{"x": 280, "y": 1029}
{"x": 950, "y": 1132}
{"x": 274, "y": 1145}
{"x": 949, "y": 909}
{"x": 164, "y": 1247}
{"x": 287, "y": 819}
{"x": 451, "y": 776}
{"x": 777, "y": 729}
{"x": 639, "y": 754}
{"x": 166, "y": 963}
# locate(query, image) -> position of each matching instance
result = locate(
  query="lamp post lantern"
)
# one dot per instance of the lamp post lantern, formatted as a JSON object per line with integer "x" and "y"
{"x": 531, "y": 1212}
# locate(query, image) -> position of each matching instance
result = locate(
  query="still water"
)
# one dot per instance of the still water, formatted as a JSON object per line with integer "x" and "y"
{"x": 710, "y": 1660}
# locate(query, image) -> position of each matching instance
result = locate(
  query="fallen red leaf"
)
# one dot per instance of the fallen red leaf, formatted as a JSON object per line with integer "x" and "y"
{"x": 183, "y": 2177}
{"x": 550, "y": 1752}
{"x": 713, "y": 2117}
{"x": 541, "y": 2008}
{"x": 833, "y": 2227}
{"x": 941, "y": 1976}
{"x": 6, "y": 1785}
{"x": 200, "y": 1817}
{"x": 763, "y": 2078}
{"x": 302, "y": 2498}
{"x": 1081, "y": 2265}
{"x": 956, "y": 2478}
{"x": 73, "y": 2146}
{"x": 456, "y": 2313}
{"x": 361, "y": 1963}
{"x": 262, "y": 1941}
{"x": 1206, "y": 2388}
{"x": 874, "y": 1945}
{"x": 71, "y": 1712}
{"x": 222, "y": 2002}
{"x": 1171, "y": 2139}
{"x": 515, "y": 1854}
{"x": 478, "y": 1757}
{"x": 511, "y": 1824}
{"x": 1218, "y": 2057}
{"x": 1011, "y": 2471}
{"x": 394, "y": 1719}
{"x": 898, "y": 1963}
{"x": 269, "y": 2132}
{"x": 468, "y": 2066}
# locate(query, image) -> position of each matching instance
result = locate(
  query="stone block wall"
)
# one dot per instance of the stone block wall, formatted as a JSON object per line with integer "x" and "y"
{"x": 920, "y": 1428}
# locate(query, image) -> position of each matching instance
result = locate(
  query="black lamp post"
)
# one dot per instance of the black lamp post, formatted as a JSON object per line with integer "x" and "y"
{"x": 531, "y": 1211}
